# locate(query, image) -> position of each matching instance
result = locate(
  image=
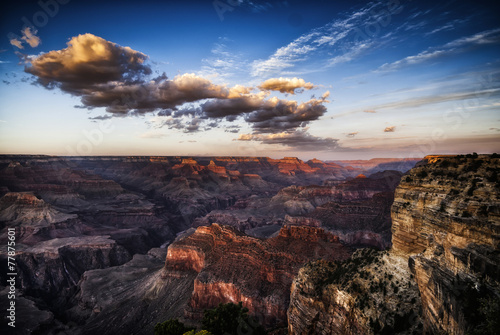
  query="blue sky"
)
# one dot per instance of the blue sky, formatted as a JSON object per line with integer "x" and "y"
{"x": 330, "y": 80}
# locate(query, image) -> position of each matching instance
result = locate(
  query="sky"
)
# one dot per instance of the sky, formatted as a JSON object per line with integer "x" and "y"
{"x": 310, "y": 79}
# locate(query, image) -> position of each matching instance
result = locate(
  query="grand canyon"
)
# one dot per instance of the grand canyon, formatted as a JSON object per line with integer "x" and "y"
{"x": 115, "y": 245}
{"x": 249, "y": 167}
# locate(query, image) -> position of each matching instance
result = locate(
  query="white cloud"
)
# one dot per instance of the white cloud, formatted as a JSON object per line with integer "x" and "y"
{"x": 485, "y": 37}
{"x": 332, "y": 37}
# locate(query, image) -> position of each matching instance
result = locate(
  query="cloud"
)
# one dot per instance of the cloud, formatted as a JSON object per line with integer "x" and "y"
{"x": 104, "y": 74}
{"x": 390, "y": 129}
{"x": 450, "y": 25}
{"x": 101, "y": 117}
{"x": 17, "y": 43}
{"x": 298, "y": 140}
{"x": 232, "y": 129}
{"x": 223, "y": 62}
{"x": 187, "y": 126}
{"x": 28, "y": 36}
{"x": 455, "y": 46}
{"x": 279, "y": 115}
{"x": 438, "y": 98}
{"x": 369, "y": 111}
{"x": 153, "y": 134}
{"x": 88, "y": 63}
{"x": 354, "y": 51}
{"x": 285, "y": 85}
{"x": 345, "y": 39}
{"x": 264, "y": 115}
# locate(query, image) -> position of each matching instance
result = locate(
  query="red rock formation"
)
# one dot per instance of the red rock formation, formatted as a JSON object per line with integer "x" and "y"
{"x": 234, "y": 267}
{"x": 309, "y": 234}
{"x": 216, "y": 169}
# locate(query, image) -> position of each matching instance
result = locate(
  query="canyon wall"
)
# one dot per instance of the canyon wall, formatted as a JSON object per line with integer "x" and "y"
{"x": 442, "y": 275}
{"x": 446, "y": 218}
{"x": 370, "y": 293}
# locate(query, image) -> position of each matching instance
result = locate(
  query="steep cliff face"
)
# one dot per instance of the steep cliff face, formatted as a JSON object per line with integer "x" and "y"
{"x": 370, "y": 293}
{"x": 51, "y": 269}
{"x": 444, "y": 265}
{"x": 130, "y": 298}
{"x": 446, "y": 218}
{"x": 232, "y": 266}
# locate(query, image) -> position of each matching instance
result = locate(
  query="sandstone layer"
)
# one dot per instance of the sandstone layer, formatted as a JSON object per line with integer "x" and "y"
{"x": 446, "y": 218}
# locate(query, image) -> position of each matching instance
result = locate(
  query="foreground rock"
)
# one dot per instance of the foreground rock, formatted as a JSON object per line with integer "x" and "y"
{"x": 446, "y": 218}
{"x": 370, "y": 293}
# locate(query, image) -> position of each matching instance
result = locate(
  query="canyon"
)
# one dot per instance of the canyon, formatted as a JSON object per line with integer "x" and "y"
{"x": 114, "y": 245}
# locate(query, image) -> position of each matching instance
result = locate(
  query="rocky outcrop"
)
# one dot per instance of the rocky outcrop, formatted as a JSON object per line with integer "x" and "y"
{"x": 52, "y": 269}
{"x": 445, "y": 258}
{"x": 370, "y": 293}
{"x": 201, "y": 269}
{"x": 359, "y": 223}
{"x": 24, "y": 208}
{"x": 33, "y": 319}
{"x": 446, "y": 218}
{"x": 128, "y": 299}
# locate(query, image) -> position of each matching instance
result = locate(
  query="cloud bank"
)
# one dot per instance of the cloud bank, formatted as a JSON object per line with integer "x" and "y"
{"x": 105, "y": 74}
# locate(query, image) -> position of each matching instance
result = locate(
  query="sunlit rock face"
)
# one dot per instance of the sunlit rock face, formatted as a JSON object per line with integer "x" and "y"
{"x": 446, "y": 218}
{"x": 232, "y": 267}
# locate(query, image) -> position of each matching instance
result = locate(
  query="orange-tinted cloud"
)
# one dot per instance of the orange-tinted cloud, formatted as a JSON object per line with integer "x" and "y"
{"x": 286, "y": 85}
{"x": 390, "y": 129}
{"x": 87, "y": 62}
{"x": 29, "y": 36}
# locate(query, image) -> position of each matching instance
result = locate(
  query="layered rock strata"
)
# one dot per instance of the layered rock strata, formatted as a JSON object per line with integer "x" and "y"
{"x": 233, "y": 267}
{"x": 446, "y": 218}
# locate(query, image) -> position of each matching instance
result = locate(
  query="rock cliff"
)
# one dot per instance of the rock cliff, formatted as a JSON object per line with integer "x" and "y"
{"x": 370, "y": 293}
{"x": 446, "y": 218}
{"x": 442, "y": 275}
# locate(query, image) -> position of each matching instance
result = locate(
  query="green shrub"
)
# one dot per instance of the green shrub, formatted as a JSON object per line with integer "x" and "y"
{"x": 171, "y": 327}
{"x": 231, "y": 319}
{"x": 422, "y": 174}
